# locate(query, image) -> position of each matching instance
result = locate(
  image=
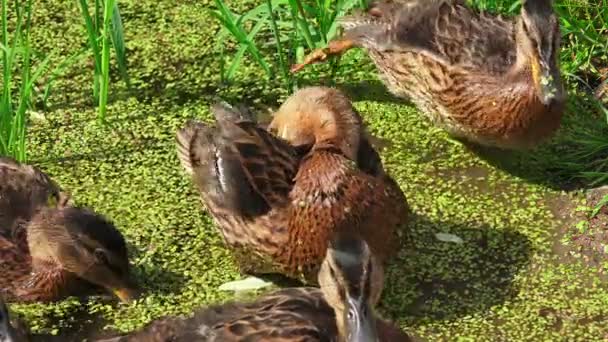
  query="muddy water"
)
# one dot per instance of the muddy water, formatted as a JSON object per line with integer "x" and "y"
{"x": 588, "y": 244}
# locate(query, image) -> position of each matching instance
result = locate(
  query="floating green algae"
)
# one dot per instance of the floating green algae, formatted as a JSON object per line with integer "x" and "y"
{"x": 501, "y": 284}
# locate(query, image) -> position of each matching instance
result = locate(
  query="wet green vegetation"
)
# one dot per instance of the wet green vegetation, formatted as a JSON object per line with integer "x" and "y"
{"x": 506, "y": 281}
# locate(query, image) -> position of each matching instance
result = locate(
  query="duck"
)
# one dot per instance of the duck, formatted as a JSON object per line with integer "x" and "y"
{"x": 9, "y": 331}
{"x": 278, "y": 198}
{"x": 342, "y": 309}
{"x": 24, "y": 189}
{"x": 483, "y": 78}
{"x": 69, "y": 251}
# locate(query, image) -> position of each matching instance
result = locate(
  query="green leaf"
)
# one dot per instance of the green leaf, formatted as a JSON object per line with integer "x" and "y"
{"x": 599, "y": 206}
{"x": 118, "y": 42}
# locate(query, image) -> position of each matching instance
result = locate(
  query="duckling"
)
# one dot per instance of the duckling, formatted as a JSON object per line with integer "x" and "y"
{"x": 279, "y": 200}
{"x": 23, "y": 189}
{"x": 67, "y": 251}
{"x": 490, "y": 80}
{"x": 8, "y": 332}
{"x": 341, "y": 310}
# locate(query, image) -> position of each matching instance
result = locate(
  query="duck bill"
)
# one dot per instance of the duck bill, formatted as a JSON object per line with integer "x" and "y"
{"x": 360, "y": 325}
{"x": 548, "y": 88}
{"x": 547, "y": 85}
{"x": 127, "y": 293}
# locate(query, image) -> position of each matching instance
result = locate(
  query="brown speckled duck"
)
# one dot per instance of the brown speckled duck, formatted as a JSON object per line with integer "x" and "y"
{"x": 64, "y": 252}
{"x": 490, "y": 80}
{"x": 279, "y": 200}
{"x": 341, "y": 310}
{"x": 23, "y": 190}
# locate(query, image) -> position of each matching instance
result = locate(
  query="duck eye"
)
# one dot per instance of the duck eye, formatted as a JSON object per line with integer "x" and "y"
{"x": 101, "y": 257}
{"x": 350, "y": 315}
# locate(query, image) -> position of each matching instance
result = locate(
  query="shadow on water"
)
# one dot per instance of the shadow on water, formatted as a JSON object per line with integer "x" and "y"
{"x": 559, "y": 162}
{"x": 90, "y": 327}
{"x": 539, "y": 166}
{"x": 446, "y": 280}
{"x": 370, "y": 90}
{"x": 87, "y": 327}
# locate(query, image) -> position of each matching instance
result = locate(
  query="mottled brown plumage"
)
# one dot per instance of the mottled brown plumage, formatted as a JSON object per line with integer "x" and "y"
{"x": 63, "y": 252}
{"x": 492, "y": 80}
{"x": 279, "y": 201}
{"x": 342, "y": 310}
{"x": 23, "y": 190}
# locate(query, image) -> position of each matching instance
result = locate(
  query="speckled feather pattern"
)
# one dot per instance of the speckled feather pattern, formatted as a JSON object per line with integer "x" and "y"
{"x": 456, "y": 65}
{"x": 295, "y": 315}
{"x": 23, "y": 189}
{"x": 278, "y": 208}
{"x": 20, "y": 282}
{"x": 332, "y": 194}
{"x": 288, "y": 315}
{"x": 487, "y": 118}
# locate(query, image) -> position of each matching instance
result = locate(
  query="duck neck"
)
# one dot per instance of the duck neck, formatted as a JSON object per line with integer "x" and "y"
{"x": 341, "y": 325}
{"x": 522, "y": 66}
{"x": 45, "y": 282}
{"x": 338, "y": 130}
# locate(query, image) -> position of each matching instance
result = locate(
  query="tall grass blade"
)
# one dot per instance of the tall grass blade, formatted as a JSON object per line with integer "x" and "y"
{"x": 236, "y": 61}
{"x": 105, "y": 60}
{"x": 92, "y": 33}
{"x": 341, "y": 9}
{"x": 226, "y": 18}
{"x": 6, "y": 63}
{"x": 118, "y": 42}
{"x": 301, "y": 24}
{"x": 17, "y": 136}
{"x": 13, "y": 122}
{"x": 282, "y": 60}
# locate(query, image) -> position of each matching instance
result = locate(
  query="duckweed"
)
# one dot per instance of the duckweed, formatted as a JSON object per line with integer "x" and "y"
{"x": 505, "y": 282}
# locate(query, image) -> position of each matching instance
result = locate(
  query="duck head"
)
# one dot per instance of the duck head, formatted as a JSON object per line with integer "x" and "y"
{"x": 85, "y": 244}
{"x": 351, "y": 280}
{"x": 319, "y": 116}
{"x": 538, "y": 46}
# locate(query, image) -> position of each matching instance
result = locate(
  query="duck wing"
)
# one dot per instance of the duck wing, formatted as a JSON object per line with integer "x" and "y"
{"x": 445, "y": 30}
{"x": 237, "y": 164}
{"x": 15, "y": 265}
{"x": 23, "y": 189}
{"x": 296, "y": 314}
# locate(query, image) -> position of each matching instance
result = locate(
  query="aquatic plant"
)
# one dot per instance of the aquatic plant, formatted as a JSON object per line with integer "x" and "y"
{"x": 18, "y": 74}
{"x": 296, "y": 25}
{"x": 104, "y": 27}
